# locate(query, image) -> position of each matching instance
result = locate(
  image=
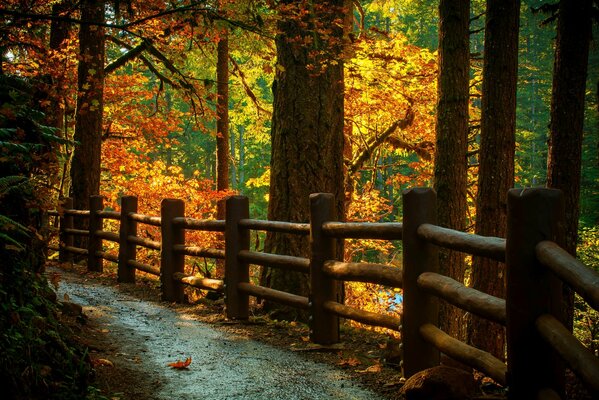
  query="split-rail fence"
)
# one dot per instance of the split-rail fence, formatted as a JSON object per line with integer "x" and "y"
{"x": 538, "y": 344}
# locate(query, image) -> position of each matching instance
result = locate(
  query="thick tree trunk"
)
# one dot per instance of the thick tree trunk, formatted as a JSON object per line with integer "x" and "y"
{"x": 496, "y": 159}
{"x": 222, "y": 128}
{"x": 307, "y": 127}
{"x": 452, "y": 141}
{"x": 85, "y": 170}
{"x": 567, "y": 115}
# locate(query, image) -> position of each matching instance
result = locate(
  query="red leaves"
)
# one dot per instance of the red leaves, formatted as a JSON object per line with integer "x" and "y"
{"x": 180, "y": 364}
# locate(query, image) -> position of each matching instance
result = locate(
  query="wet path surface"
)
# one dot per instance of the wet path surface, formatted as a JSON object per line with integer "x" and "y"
{"x": 224, "y": 366}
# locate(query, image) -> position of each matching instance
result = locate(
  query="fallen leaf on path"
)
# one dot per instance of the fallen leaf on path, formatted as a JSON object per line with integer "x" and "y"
{"x": 372, "y": 368}
{"x": 350, "y": 362}
{"x": 102, "y": 362}
{"x": 180, "y": 364}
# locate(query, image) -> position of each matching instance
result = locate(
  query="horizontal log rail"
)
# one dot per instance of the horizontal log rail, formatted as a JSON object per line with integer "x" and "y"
{"x": 109, "y": 214}
{"x": 144, "y": 267}
{"x": 216, "y": 285}
{"x": 75, "y": 250}
{"x": 364, "y": 230}
{"x": 143, "y": 242}
{"x": 485, "y": 246}
{"x": 145, "y": 219}
{"x": 362, "y": 316}
{"x": 199, "y": 224}
{"x": 107, "y": 256}
{"x": 275, "y": 226}
{"x": 472, "y": 300}
{"x": 76, "y": 213}
{"x": 476, "y": 358}
{"x": 381, "y": 274}
{"x": 288, "y": 263}
{"x": 110, "y": 236}
{"x": 580, "y": 359}
{"x": 582, "y": 279}
{"x": 288, "y": 299}
{"x": 53, "y": 213}
{"x": 197, "y": 251}
{"x": 77, "y": 232}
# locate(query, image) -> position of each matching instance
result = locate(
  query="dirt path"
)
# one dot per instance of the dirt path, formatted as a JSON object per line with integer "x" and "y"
{"x": 140, "y": 338}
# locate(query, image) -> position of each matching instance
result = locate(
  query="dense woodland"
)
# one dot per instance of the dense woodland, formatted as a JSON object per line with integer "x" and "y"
{"x": 275, "y": 100}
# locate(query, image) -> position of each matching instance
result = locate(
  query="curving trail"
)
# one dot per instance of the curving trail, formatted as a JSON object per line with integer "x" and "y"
{"x": 225, "y": 366}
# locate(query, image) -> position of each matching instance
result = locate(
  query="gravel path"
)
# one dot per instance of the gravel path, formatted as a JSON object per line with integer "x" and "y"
{"x": 224, "y": 366}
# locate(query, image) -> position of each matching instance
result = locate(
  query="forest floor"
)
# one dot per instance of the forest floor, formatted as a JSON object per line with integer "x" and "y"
{"x": 129, "y": 336}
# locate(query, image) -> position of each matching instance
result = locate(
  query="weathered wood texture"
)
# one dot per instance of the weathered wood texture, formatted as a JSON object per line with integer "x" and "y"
{"x": 324, "y": 327}
{"x": 580, "y": 359}
{"x": 143, "y": 242}
{"x": 364, "y": 230}
{"x": 275, "y": 226}
{"x": 115, "y": 215}
{"x": 209, "y": 225}
{"x": 66, "y": 222}
{"x": 534, "y": 215}
{"x": 94, "y": 263}
{"x": 76, "y": 232}
{"x": 478, "y": 359}
{"x": 236, "y": 272}
{"x": 216, "y": 285}
{"x": 75, "y": 250}
{"x": 105, "y": 235}
{"x": 77, "y": 213}
{"x": 466, "y": 298}
{"x": 381, "y": 274}
{"x": 171, "y": 261}
{"x": 288, "y": 299}
{"x": 485, "y": 246}
{"x": 581, "y": 278}
{"x": 365, "y": 317}
{"x": 419, "y": 307}
{"x": 276, "y": 261}
{"x": 150, "y": 269}
{"x": 107, "y": 256}
{"x": 127, "y": 250}
{"x": 146, "y": 219}
{"x": 199, "y": 251}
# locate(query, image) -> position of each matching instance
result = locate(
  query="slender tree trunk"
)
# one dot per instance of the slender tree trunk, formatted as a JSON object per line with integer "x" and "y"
{"x": 567, "y": 115}
{"x": 85, "y": 170}
{"x": 222, "y": 128}
{"x": 496, "y": 159}
{"x": 452, "y": 141}
{"x": 307, "y": 127}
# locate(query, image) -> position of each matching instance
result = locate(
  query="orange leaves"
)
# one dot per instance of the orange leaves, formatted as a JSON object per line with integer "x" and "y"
{"x": 180, "y": 364}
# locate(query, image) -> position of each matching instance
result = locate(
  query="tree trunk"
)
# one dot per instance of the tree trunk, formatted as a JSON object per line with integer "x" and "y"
{"x": 307, "y": 128}
{"x": 222, "y": 129}
{"x": 496, "y": 158}
{"x": 85, "y": 170}
{"x": 567, "y": 115}
{"x": 452, "y": 142}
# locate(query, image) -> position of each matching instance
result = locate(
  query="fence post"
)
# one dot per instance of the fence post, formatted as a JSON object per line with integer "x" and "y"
{"x": 64, "y": 239}
{"x": 95, "y": 263}
{"x": 324, "y": 325}
{"x": 127, "y": 251}
{"x": 170, "y": 261}
{"x": 419, "y": 207}
{"x": 533, "y": 215}
{"x": 236, "y": 239}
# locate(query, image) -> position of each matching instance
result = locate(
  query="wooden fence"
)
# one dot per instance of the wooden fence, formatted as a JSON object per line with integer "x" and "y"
{"x": 537, "y": 341}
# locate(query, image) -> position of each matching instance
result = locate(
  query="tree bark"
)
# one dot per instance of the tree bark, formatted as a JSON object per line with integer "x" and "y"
{"x": 85, "y": 170}
{"x": 222, "y": 129}
{"x": 307, "y": 128}
{"x": 496, "y": 158}
{"x": 567, "y": 116}
{"x": 450, "y": 179}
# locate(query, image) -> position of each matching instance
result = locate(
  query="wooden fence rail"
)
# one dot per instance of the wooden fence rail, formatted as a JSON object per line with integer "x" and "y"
{"x": 537, "y": 341}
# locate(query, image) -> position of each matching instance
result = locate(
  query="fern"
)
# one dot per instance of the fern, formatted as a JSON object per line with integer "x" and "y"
{"x": 9, "y": 183}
